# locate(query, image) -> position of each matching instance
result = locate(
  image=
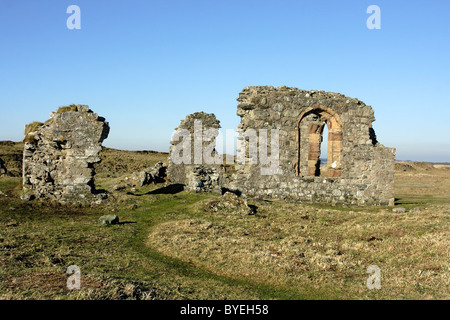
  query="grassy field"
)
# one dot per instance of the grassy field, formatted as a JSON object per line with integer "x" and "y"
{"x": 169, "y": 246}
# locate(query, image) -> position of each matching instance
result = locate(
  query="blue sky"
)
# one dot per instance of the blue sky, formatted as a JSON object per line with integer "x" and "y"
{"x": 145, "y": 65}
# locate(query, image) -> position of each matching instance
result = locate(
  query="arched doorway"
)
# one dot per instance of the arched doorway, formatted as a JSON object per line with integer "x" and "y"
{"x": 310, "y": 127}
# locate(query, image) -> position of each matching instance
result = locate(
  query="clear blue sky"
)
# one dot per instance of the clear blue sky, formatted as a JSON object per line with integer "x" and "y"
{"x": 145, "y": 65}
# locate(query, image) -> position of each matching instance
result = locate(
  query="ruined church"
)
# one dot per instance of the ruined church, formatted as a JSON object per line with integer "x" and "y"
{"x": 358, "y": 170}
{"x": 287, "y": 126}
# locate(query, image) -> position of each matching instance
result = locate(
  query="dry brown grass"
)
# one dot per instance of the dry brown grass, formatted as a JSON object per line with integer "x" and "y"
{"x": 293, "y": 245}
{"x": 418, "y": 182}
{"x": 11, "y": 154}
{"x": 177, "y": 250}
{"x": 116, "y": 163}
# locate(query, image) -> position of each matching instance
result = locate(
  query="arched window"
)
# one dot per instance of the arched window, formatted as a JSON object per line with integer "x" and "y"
{"x": 310, "y": 128}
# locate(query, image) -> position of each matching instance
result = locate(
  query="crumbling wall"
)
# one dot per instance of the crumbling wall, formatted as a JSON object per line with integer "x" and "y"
{"x": 359, "y": 170}
{"x": 59, "y": 155}
{"x": 204, "y": 179}
{"x": 193, "y": 159}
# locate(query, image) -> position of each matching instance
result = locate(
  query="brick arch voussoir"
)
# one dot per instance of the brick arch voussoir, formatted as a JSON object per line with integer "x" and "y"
{"x": 320, "y": 108}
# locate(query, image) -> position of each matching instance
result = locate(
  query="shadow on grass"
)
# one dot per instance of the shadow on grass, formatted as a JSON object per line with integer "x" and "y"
{"x": 127, "y": 222}
{"x": 399, "y": 201}
{"x": 253, "y": 208}
{"x": 236, "y": 192}
{"x": 170, "y": 189}
{"x": 421, "y": 200}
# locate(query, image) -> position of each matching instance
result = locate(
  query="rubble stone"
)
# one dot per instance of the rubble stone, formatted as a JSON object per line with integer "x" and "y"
{"x": 399, "y": 210}
{"x": 230, "y": 202}
{"x": 203, "y": 179}
{"x": 108, "y": 219}
{"x": 155, "y": 174}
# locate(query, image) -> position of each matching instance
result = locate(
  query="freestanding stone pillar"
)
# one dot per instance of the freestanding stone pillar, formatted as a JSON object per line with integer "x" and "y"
{"x": 194, "y": 139}
{"x": 59, "y": 155}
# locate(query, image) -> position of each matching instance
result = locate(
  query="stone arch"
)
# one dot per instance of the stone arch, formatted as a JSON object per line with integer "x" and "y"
{"x": 310, "y": 125}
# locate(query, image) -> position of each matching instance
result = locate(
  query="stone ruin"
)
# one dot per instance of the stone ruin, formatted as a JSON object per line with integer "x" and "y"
{"x": 192, "y": 173}
{"x": 359, "y": 170}
{"x": 59, "y": 155}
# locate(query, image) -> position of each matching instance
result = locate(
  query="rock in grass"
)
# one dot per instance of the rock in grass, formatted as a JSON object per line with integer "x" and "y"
{"x": 108, "y": 219}
{"x": 230, "y": 202}
{"x": 118, "y": 187}
{"x": 399, "y": 210}
{"x": 155, "y": 174}
{"x": 27, "y": 196}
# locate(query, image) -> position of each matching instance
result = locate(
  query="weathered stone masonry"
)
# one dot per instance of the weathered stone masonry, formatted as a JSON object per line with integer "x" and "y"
{"x": 59, "y": 155}
{"x": 359, "y": 170}
{"x": 193, "y": 173}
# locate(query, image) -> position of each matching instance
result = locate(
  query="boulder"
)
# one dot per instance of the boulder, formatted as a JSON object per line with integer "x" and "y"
{"x": 230, "y": 203}
{"x": 117, "y": 187}
{"x": 27, "y": 196}
{"x": 155, "y": 174}
{"x": 108, "y": 219}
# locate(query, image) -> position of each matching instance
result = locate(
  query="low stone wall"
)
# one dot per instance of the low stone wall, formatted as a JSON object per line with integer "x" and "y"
{"x": 203, "y": 179}
{"x": 314, "y": 189}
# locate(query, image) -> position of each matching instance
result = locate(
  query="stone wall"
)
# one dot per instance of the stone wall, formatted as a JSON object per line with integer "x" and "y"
{"x": 59, "y": 155}
{"x": 193, "y": 139}
{"x": 204, "y": 179}
{"x": 359, "y": 170}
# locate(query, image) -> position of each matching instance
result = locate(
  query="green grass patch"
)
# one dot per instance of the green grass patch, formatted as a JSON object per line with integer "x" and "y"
{"x": 168, "y": 246}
